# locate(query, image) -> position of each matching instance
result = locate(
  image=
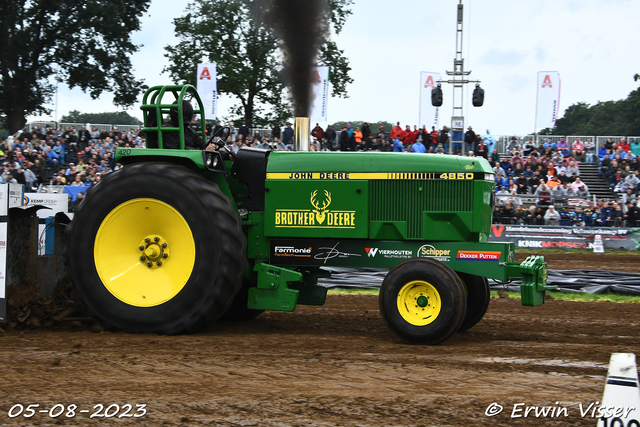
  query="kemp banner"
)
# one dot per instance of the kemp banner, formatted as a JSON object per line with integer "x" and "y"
{"x": 428, "y": 113}
{"x": 208, "y": 89}
{"x": 550, "y": 237}
{"x": 318, "y": 111}
{"x": 547, "y": 99}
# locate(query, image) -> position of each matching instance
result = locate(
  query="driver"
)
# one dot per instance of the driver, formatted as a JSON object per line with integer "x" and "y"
{"x": 192, "y": 141}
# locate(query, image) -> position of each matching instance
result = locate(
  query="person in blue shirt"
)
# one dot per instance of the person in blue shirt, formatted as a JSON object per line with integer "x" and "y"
{"x": 349, "y": 130}
{"x": 528, "y": 173}
{"x": 602, "y": 151}
{"x": 397, "y": 145}
{"x": 489, "y": 140}
{"x": 418, "y": 147}
{"x": 551, "y": 144}
{"x": 506, "y": 165}
{"x": 287, "y": 135}
{"x": 588, "y": 217}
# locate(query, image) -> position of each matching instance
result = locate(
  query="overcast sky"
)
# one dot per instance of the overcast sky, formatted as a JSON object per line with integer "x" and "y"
{"x": 591, "y": 43}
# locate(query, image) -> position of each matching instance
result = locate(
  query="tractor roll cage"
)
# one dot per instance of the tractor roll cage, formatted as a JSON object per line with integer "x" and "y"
{"x": 154, "y": 107}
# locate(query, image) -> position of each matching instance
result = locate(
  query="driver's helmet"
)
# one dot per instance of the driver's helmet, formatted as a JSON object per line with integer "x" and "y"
{"x": 187, "y": 112}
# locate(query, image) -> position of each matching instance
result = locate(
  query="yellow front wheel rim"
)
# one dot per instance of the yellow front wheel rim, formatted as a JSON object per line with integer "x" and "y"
{"x": 144, "y": 252}
{"x": 419, "y": 303}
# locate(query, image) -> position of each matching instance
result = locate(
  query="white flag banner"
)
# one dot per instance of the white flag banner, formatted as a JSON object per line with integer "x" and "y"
{"x": 428, "y": 113}
{"x": 208, "y": 89}
{"x": 318, "y": 111}
{"x": 548, "y": 99}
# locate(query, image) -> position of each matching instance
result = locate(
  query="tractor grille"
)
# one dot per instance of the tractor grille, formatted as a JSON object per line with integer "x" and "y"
{"x": 405, "y": 200}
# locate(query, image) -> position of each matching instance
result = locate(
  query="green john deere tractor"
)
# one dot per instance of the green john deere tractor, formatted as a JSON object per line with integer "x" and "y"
{"x": 179, "y": 238}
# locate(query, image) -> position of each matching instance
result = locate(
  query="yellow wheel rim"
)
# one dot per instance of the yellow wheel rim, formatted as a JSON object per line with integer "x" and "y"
{"x": 419, "y": 303}
{"x": 144, "y": 252}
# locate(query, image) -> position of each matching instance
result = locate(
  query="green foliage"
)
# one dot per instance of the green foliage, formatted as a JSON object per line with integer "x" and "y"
{"x": 108, "y": 118}
{"x": 604, "y": 118}
{"x": 83, "y": 43}
{"x": 374, "y": 126}
{"x": 232, "y": 34}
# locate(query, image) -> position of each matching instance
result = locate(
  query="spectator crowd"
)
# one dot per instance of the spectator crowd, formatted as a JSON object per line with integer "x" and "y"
{"x": 63, "y": 156}
{"x": 548, "y": 174}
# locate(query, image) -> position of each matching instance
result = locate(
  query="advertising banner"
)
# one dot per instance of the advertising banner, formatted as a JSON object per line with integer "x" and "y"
{"x": 476, "y": 258}
{"x": 208, "y": 89}
{"x": 547, "y": 99}
{"x": 56, "y": 203}
{"x": 428, "y": 113}
{"x": 318, "y": 111}
{"x": 551, "y": 237}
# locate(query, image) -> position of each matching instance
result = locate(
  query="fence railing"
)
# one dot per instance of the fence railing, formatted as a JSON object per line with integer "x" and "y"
{"x": 503, "y": 140}
{"x": 79, "y": 126}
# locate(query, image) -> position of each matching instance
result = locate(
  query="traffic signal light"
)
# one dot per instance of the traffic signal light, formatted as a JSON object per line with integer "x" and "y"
{"x": 436, "y": 96}
{"x": 478, "y": 96}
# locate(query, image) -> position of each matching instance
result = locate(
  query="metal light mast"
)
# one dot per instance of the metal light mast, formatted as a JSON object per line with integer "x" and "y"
{"x": 458, "y": 72}
{"x": 458, "y": 80}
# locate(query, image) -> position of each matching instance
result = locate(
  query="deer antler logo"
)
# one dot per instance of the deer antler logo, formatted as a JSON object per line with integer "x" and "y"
{"x": 320, "y": 209}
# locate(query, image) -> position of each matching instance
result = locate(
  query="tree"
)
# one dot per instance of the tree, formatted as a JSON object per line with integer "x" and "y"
{"x": 235, "y": 35}
{"x": 112, "y": 118}
{"x": 604, "y": 118}
{"x": 83, "y": 43}
{"x": 375, "y": 127}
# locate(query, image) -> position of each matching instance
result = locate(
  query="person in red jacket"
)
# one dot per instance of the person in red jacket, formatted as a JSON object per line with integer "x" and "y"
{"x": 397, "y": 132}
{"x": 624, "y": 145}
{"x": 317, "y": 132}
{"x": 434, "y": 135}
{"x": 414, "y": 134}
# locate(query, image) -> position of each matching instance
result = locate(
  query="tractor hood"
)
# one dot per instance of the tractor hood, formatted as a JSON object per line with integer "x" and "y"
{"x": 285, "y": 163}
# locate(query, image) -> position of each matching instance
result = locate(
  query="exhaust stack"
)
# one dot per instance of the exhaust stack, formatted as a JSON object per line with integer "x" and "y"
{"x": 301, "y": 134}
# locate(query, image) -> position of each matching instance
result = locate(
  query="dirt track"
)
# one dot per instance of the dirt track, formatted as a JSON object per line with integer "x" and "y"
{"x": 336, "y": 365}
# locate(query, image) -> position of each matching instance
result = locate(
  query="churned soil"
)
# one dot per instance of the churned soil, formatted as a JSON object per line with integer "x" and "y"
{"x": 336, "y": 365}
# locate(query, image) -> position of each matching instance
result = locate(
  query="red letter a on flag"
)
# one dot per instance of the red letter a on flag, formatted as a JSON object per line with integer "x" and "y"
{"x": 205, "y": 74}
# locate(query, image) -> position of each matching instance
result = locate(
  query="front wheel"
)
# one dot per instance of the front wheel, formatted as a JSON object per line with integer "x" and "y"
{"x": 422, "y": 301}
{"x": 156, "y": 248}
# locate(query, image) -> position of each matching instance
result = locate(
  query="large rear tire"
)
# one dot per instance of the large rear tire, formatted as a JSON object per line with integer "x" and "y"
{"x": 156, "y": 248}
{"x": 422, "y": 301}
{"x": 478, "y": 297}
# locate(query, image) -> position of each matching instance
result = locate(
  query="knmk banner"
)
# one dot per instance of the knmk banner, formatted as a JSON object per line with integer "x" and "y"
{"x": 318, "y": 111}
{"x": 547, "y": 99}
{"x": 428, "y": 113}
{"x": 208, "y": 89}
{"x": 551, "y": 237}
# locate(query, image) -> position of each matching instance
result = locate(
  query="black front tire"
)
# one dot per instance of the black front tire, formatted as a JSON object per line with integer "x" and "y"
{"x": 210, "y": 278}
{"x": 422, "y": 301}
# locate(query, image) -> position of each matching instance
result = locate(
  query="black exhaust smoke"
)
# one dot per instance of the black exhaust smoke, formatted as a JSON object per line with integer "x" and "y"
{"x": 301, "y": 25}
